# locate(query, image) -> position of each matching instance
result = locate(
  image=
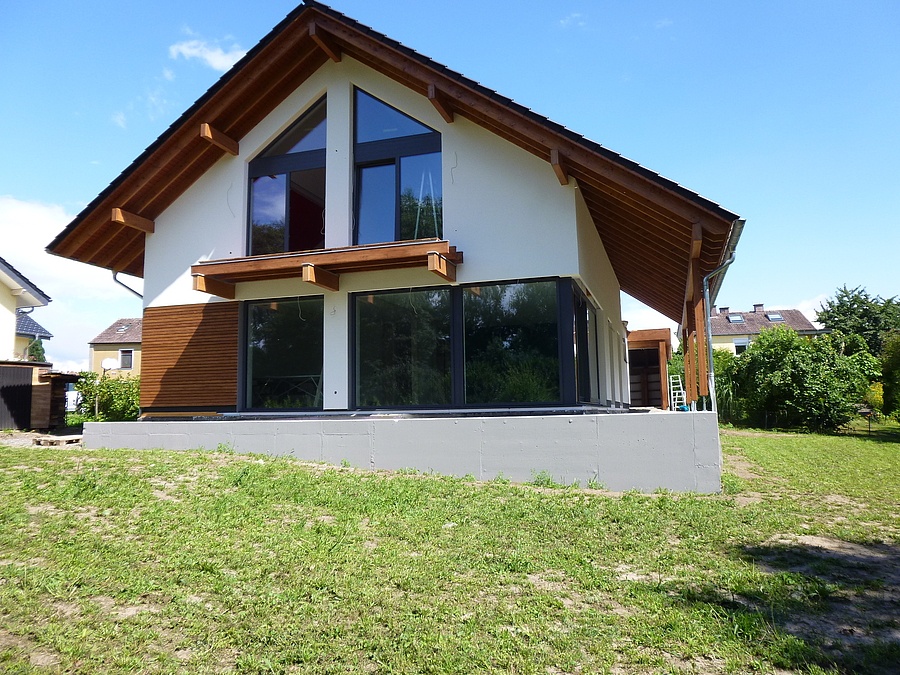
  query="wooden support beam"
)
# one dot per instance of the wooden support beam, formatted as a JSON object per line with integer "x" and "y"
{"x": 220, "y": 140}
{"x": 214, "y": 286}
{"x": 442, "y": 266}
{"x": 320, "y": 277}
{"x": 700, "y": 319}
{"x": 696, "y": 240}
{"x": 325, "y": 42}
{"x": 559, "y": 167}
{"x": 440, "y": 104}
{"x": 664, "y": 374}
{"x": 123, "y": 217}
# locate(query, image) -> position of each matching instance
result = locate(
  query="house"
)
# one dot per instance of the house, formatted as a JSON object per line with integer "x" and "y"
{"x": 120, "y": 342}
{"x": 734, "y": 331}
{"x": 28, "y": 331}
{"x": 649, "y": 353}
{"x": 353, "y": 253}
{"x": 18, "y": 296}
{"x": 31, "y": 397}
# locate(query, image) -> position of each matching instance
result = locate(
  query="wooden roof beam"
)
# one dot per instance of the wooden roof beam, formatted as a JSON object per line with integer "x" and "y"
{"x": 559, "y": 167}
{"x": 128, "y": 219}
{"x": 214, "y": 286}
{"x": 440, "y": 103}
{"x": 442, "y": 266}
{"x": 318, "y": 276}
{"x": 217, "y": 138}
{"x": 325, "y": 42}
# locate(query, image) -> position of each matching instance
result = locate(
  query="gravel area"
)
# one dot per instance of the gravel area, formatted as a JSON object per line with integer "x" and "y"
{"x": 27, "y": 439}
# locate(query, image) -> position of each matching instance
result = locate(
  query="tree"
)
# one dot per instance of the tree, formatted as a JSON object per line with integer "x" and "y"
{"x": 855, "y": 312}
{"x": 815, "y": 384}
{"x": 36, "y": 351}
{"x": 890, "y": 370}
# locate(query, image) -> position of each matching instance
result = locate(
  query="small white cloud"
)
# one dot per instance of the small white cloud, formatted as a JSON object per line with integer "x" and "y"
{"x": 119, "y": 119}
{"x": 168, "y": 75}
{"x": 575, "y": 19}
{"x": 209, "y": 53}
{"x": 662, "y": 23}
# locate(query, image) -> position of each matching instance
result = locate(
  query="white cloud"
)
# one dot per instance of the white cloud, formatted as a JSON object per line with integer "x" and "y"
{"x": 85, "y": 300}
{"x": 168, "y": 75}
{"x": 575, "y": 19}
{"x": 209, "y": 53}
{"x": 120, "y": 120}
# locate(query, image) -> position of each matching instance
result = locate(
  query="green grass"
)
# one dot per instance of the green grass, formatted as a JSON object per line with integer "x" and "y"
{"x": 123, "y": 561}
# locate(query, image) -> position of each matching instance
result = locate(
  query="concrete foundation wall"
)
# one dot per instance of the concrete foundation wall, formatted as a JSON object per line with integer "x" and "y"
{"x": 643, "y": 451}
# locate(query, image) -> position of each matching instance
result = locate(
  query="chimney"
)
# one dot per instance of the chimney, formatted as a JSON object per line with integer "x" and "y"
{"x": 723, "y": 310}
{"x": 712, "y": 310}
{"x": 758, "y": 309}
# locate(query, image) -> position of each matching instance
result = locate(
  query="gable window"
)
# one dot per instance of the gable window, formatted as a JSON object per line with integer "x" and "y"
{"x": 398, "y": 174}
{"x": 287, "y": 189}
{"x": 284, "y": 343}
{"x": 126, "y": 359}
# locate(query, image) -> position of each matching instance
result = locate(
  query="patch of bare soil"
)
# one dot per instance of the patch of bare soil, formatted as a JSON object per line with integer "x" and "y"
{"x": 37, "y": 656}
{"x": 741, "y": 467}
{"x": 863, "y": 610}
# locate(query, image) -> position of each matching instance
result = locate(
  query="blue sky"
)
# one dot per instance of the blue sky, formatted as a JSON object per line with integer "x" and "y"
{"x": 785, "y": 112}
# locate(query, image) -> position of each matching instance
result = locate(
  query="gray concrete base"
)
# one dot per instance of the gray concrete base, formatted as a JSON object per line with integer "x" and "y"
{"x": 643, "y": 451}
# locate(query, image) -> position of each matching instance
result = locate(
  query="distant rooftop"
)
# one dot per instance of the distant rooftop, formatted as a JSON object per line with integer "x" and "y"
{"x": 28, "y": 327}
{"x": 725, "y": 321}
{"x": 121, "y": 331}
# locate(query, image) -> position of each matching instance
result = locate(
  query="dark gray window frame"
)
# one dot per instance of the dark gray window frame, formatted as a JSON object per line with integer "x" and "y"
{"x": 565, "y": 308}
{"x": 386, "y": 152}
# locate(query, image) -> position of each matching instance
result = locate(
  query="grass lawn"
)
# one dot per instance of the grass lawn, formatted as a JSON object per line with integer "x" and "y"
{"x": 198, "y": 562}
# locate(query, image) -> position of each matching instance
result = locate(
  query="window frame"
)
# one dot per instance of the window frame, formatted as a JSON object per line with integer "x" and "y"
{"x": 566, "y": 290}
{"x": 387, "y": 152}
{"x": 130, "y": 353}
{"x": 244, "y": 383}
{"x": 283, "y": 165}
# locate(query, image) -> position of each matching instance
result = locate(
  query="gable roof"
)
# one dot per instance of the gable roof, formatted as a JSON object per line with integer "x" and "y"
{"x": 122, "y": 331}
{"x": 757, "y": 321}
{"x": 28, "y": 327}
{"x": 25, "y": 292}
{"x": 650, "y": 226}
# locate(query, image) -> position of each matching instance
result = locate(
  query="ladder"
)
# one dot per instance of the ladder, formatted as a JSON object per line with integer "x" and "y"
{"x": 676, "y": 392}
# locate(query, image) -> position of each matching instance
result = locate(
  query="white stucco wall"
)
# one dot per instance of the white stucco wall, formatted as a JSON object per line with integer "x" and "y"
{"x": 502, "y": 207}
{"x": 7, "y": 323}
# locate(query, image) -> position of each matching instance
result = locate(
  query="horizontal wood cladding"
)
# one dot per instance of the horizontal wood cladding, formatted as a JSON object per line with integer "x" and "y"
{"x": 190, "y": 356}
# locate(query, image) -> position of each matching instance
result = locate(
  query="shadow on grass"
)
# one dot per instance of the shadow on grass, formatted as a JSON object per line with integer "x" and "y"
{"x": 838, "y": 600}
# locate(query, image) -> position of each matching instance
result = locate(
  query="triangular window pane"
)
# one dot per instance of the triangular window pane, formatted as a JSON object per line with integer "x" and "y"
{"x": 377, "y": 121}
{"x": 308, "y": 133}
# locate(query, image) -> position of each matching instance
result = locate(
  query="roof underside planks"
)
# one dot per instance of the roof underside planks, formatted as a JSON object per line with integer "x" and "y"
{"x": 646, "y": 222}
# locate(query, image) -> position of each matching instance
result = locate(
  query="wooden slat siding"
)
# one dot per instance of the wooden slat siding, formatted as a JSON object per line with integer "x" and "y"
{"x": 190, "y": 355}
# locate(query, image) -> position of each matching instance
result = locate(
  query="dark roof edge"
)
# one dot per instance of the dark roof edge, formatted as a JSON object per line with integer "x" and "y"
{"x": 24, "y": 281}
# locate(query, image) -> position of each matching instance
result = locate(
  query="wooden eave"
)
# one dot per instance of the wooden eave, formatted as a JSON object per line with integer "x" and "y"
{"x": 645, "y": 221}
{"x": 435, "y": 255}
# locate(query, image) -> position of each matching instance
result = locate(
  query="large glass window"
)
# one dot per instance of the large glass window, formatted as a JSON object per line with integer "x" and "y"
{"x": 398, "y": 175}
{"x": 284, "y": 353}
{"x": 287, "y": 189}
{"x": 403, "y": 348}
{"x": 511, "y": 343}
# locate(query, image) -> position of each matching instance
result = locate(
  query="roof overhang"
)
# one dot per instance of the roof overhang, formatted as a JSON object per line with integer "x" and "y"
{"x": 657, "y": 234}
{"x": 25, "y": 293}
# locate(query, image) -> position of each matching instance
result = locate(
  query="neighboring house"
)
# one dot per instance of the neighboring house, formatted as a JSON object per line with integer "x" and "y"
{"x": 31, "y": 397}
{"x": 351, "y": 252}
{"x": 17, "y": 295}
{"x": 28, "y": 331}
{"x": 734, "y": 331}
{"x": 120, "y": 342}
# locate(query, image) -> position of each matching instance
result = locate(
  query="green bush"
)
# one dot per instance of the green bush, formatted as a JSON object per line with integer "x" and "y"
{"x": 816, "y": 385}
{"x": 108, "y": 399}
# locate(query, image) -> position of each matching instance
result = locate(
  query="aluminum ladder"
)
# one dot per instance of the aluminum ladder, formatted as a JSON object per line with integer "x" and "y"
{"x": 676, "y": 392}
